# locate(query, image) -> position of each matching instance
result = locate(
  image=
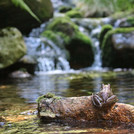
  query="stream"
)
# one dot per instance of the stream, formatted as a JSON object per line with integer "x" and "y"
{"x": 18, "y": 95}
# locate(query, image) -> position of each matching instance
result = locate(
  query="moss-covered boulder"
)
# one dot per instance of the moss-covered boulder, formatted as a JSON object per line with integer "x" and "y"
{"x": 118, "y": 48}
{"x": 12, "y": 47}
{"x": 74, "y": 14}
{"x": 18, "y": 16}
{"x": 68, "y": 36}
{"x": 103, "y": 32}
{"x": 125, "y": 21}
{"x": 64, "y": 9}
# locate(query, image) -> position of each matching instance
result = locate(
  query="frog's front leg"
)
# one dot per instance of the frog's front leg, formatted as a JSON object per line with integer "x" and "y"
{"x": 111, "y": 100}
{"x": 97, "y": 101}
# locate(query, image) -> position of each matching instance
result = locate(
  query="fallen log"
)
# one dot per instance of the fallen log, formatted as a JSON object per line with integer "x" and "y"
{"x": 81, "y": 109}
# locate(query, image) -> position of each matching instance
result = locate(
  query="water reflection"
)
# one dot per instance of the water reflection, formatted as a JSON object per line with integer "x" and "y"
{"x": 68, "y": 85}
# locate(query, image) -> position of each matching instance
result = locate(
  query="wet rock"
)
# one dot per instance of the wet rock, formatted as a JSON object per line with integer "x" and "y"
{"x": 11, "y": 15}
{"x": 20, "y": 74}
{"x": 125, "y": 22}
{"x": 103, "y": 32}
{"x": 12, "y": 47}
{"x": 78, "y": 44}
{"x": 118, "y": 48}
{"x": 64, "y": 9}
{"x": 74, "y": 14}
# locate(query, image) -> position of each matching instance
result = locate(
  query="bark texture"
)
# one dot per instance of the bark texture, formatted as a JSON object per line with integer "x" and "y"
{"x": 81, "y": 109}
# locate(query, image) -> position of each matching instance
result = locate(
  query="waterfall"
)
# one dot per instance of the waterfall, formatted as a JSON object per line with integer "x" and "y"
{"x": 47, "y": 54}
{"x": 50, "y": 56}
{"x": 92, "y": 28}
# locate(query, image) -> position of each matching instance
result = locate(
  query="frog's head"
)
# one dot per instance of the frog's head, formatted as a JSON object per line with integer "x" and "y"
{"x": 106, "y": 87}
{"x": 106, "y": 92}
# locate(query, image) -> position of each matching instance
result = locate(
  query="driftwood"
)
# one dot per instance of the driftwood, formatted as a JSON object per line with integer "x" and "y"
{"x": 81, "y": 109}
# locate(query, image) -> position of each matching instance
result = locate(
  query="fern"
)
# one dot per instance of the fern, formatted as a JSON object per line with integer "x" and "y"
{"x": 23, "y": 5}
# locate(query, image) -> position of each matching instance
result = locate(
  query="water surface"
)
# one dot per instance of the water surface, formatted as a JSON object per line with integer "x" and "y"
{"x": 17, "y": 95}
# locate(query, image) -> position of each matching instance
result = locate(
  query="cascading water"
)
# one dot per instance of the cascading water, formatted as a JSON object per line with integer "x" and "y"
{"x": 92, "y": 28}
{"x": 50, "y": 56}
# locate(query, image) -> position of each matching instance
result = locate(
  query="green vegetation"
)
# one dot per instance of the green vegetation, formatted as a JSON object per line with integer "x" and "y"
{"x": 47, "y": 96}
{"x": 11, "y": 38}
{"x": 130, "y": 20}
{"x": 74, "y": 14}
{"x": 23, "y": 5}
{"x": 102, "y": 8}
{"x": 68, "y": 30}
{"x": 103, "y": 32}
{"x": 64, "y": 9}
{"x": 78, "y": 44}
{"x": 63, "y": 24}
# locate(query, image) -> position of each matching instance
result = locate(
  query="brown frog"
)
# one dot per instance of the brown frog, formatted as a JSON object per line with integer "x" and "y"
{"x": 104, "y": 98}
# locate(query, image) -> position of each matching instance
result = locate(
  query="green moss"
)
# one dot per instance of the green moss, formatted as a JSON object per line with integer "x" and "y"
{"x": 108, "y": 53}
{"x": 64, "y": 9}
{"x": 62, "y": 24}
{"x": 65, "y": 28}
{"x": 51, "y": 35}
{"x": 121, "y": 14}
{"x": 114, "y": 31}
{"x": 39, "y": 98}
{"x": 130, "y": 20}
{"x": 47, "y": 96}
{"x": 74, "y": 14}
{"x": 23, "y": 5}
{"x": 11, "y": 38}
{"x": 85, "y": 39}
{"x": 104, "y": 30}
{"x": 76, "y": 43}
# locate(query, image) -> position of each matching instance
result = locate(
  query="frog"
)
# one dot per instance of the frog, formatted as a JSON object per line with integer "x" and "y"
{"x": 104, "y": 98}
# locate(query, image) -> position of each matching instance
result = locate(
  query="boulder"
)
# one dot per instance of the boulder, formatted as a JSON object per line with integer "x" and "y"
{"x": 64, "y": 9}
{"x": 12, "y": 46}
{"x": 127, "y": 21}
{"x": 12, "y": 15}
{"x": 118, "y": 48}
{"x": 103, "y": 32}
{"x": 78, "y": 44}
{"x": 74, "y": 13}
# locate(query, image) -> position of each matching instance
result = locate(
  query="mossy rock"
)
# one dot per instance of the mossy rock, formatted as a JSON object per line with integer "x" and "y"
{"x": 103, "y": 32}
{"x": 74, "y": 14}
{"x": 56, "y": 38}
{"x": 62, "y": 24}
{"x": 12, "y": 46}
{"x": 77, "y": 43}
{"x": 118, "y": 48}
{"x": 64, "y": 9}
{"x": 15, "y": 16}
{"x": 130, "y": 20}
